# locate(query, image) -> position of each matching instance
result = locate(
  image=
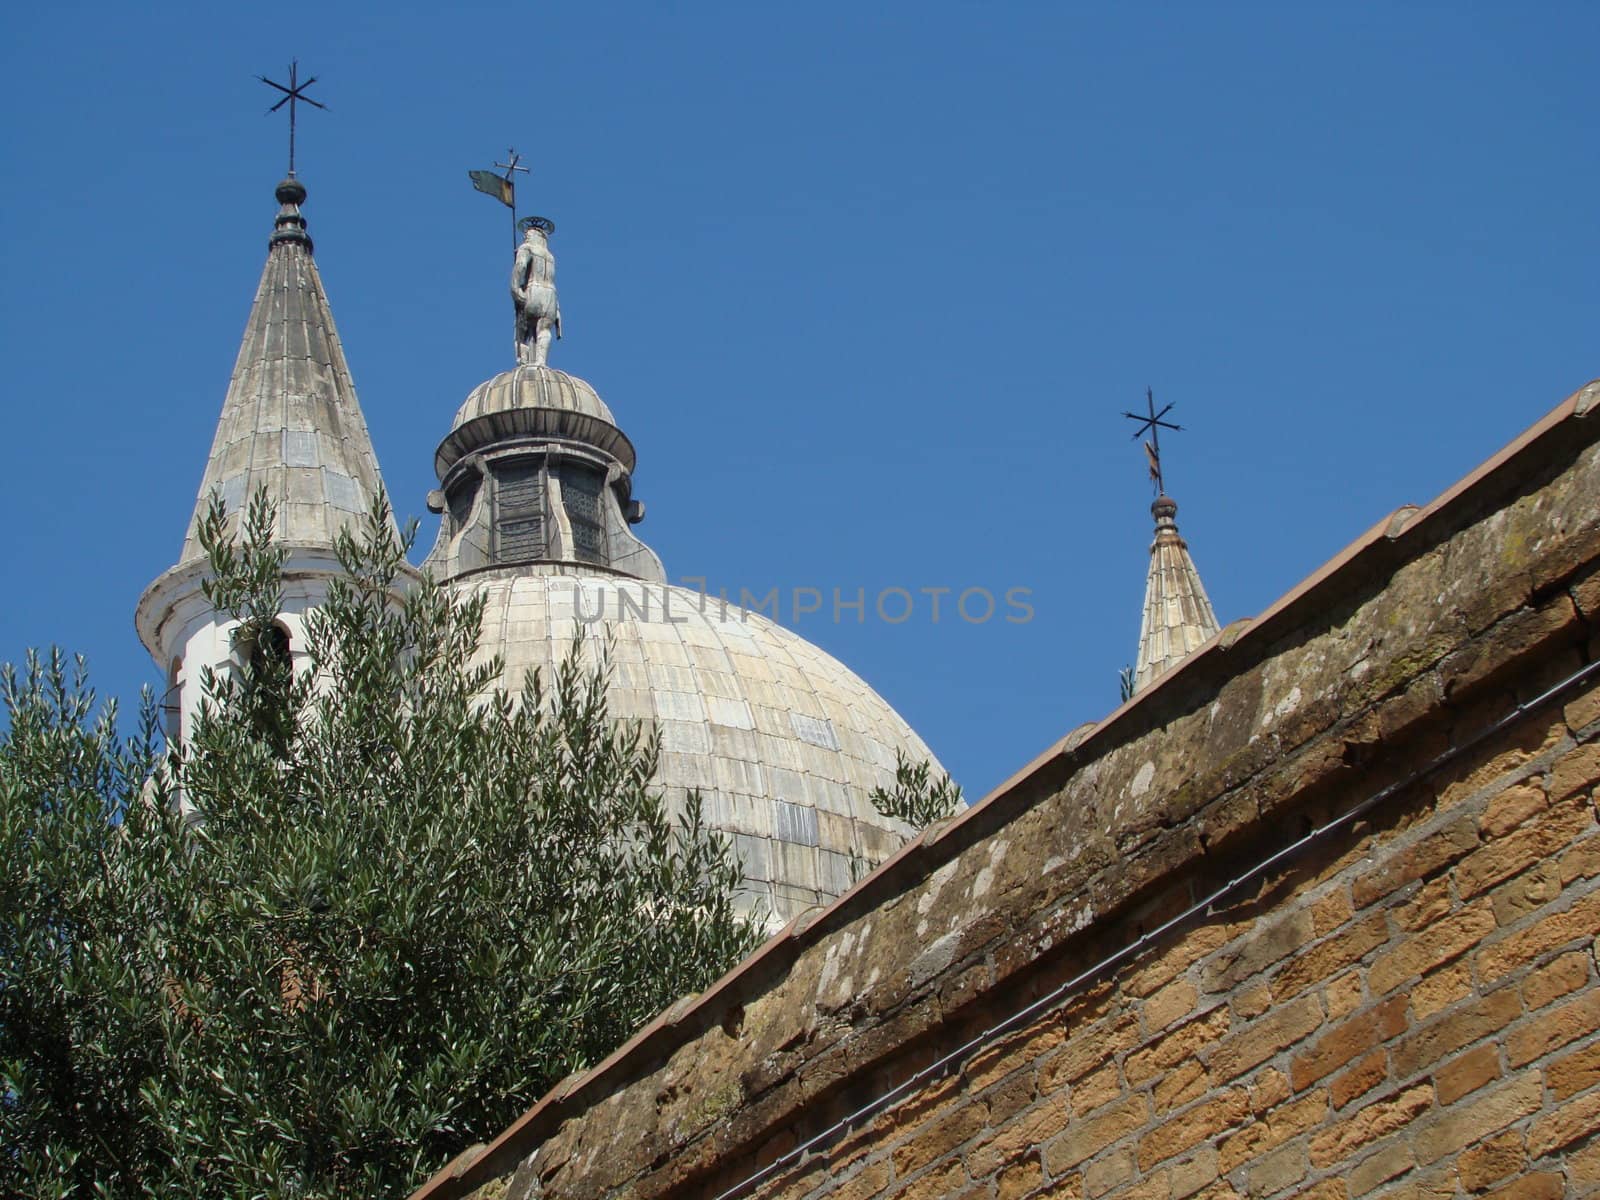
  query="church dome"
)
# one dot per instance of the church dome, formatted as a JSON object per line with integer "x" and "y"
{"x": 784, "y": 743}
{"x": 531, "y": 401}
{"x": 528, "y": 386}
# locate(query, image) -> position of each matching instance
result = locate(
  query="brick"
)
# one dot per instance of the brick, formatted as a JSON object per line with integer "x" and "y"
{"x": 1440, "y": 989}
{"x": 1575, "y": 1072}
{"x": 1332, "y": 911}
{"x": 1271, "y": 1130}
{"x": 1526, "y": 893}
{"x": 939, "y": 1138}
{"x": 1437, "y": 1186}
{"x": 1070, "y": 1188}
{"x": 1550, "y": 933}
{"x": 1514, "y": 853}
{"x": 1109, "y": 1171}
{"x": 1087, "y": 1050}
{"x": 1555, "y": 979}
{"x": 1428, "y": 904}
{"x": 1250, "y": 1047}
{"x": 1013, "y": 1140}
{"x": 870, "y": 1181}
{"x": 1018, "y": 1179}
{"x": 1360, "y": 1079}
{"x": 1333, "y": 954}
{"x": 1423, "y": 951}
{"x": 1542, "y": 1185}
{"x": 1512, "y": 807}
{"x": 1193, "y": 1126}
{"x": 1085, "y": 1138}
{"x": 1174, "y": 1046}
{"x": 1575, "y": 771}
{"x": 1164, "y": 1007}
{"x": 1573, "y": 1121}
{"x": 1269, "y": 1089}
{"x": 1194, "y": 1173}
{"x": 1430, "y": 854}
{"x": 1020, "y": 1050}
{"x": 1343, "y": 995}
{"x": 1185, "y": 1082}
{"x": 1392, "y": 1159}
{"x": 947, "y": 1179}
{"x": 1491, "y": 1160}
{"x": 1553, "y": 1029}
{"x": 1459, "y": 1027}
{"x": 1583, "y": 1168}
{"x": 1366, "y": 1125}
{"x": 1151, "y": 1187}
{"x": 1582, "y": 711}
{"x": 1098, "y": 1087}
{"x": 1471, "y": 1071}
{"x": 1251, "y": 1002}
{"x": 1178, "y": 957}
{"x": 1347, "y": 1041}
{"x": 1581, "y": 860}
{"x": 1281, "y": 1169}
{"x": 1008, "y": 1098}
{"x": 1270, "y": 942}
{"x": 1470, "y": 1121}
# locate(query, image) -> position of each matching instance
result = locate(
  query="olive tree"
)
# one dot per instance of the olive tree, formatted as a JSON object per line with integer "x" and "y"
{"x": 366, "y": 914}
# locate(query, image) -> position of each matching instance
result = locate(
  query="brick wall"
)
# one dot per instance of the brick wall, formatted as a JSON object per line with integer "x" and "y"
{"x": 1026, "y": 1002}
{"x": 1412, "y": 1010}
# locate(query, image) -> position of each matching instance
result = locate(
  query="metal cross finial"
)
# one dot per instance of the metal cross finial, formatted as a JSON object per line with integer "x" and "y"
{"x": 511, "y": 166}
{"x": 293, "y": 94}
{"x": 1151, "y": 420}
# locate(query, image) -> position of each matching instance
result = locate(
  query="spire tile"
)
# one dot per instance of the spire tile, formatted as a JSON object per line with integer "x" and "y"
{"x": 291, "y": 422}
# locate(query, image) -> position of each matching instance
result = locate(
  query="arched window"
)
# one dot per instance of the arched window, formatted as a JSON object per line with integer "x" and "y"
{"x": 272, "y": 649}
{"x": 270, "y": 658}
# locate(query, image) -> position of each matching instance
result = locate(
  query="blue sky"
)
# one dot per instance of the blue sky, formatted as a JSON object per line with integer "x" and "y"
{"x": 868, "y": 286}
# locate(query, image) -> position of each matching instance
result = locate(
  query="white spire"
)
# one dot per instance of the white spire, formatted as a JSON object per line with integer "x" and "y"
{"x": 290, "y": 422}
{"x": 1178, "y": 619}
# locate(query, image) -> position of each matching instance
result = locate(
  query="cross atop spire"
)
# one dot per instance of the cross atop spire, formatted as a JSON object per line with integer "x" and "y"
{"x": 294, "y": 94}
{"x": 1151, "y": 420}
{"x": 511, "y": 165}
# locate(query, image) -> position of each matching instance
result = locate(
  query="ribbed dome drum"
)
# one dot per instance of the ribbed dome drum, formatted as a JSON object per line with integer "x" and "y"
{"x": 526, "y": 386}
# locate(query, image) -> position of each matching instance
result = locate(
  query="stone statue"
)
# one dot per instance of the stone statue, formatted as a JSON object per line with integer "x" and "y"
{"x": 533, "y": 291}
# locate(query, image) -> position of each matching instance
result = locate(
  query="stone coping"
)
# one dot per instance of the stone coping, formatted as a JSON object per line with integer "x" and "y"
{"x": 1402, "y": 620}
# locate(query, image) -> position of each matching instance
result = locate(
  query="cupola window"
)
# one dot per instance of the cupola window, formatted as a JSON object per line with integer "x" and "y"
{"x": 581, "y": 488}
{"x": 518, "y": 511}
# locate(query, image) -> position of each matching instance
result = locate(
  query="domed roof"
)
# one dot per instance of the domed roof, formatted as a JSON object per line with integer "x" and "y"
{"x": 528, "y": 386}
{"x": 783, "y": 741}
{"x": 532, "y": 401}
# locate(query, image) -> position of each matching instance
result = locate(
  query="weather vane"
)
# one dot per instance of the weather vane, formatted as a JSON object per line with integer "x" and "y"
{"x": 1151, "y": 420}
{"x": 502, "y": 187}
{"x": 292, "y": 95}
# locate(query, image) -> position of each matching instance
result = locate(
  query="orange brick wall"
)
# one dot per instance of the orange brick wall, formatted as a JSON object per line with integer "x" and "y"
{"x": 1412, "y": 1011}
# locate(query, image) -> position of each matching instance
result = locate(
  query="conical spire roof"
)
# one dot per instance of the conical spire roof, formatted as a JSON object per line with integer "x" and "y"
{"x": 1178, "y": 619}
{"x": 291, "y": 422}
